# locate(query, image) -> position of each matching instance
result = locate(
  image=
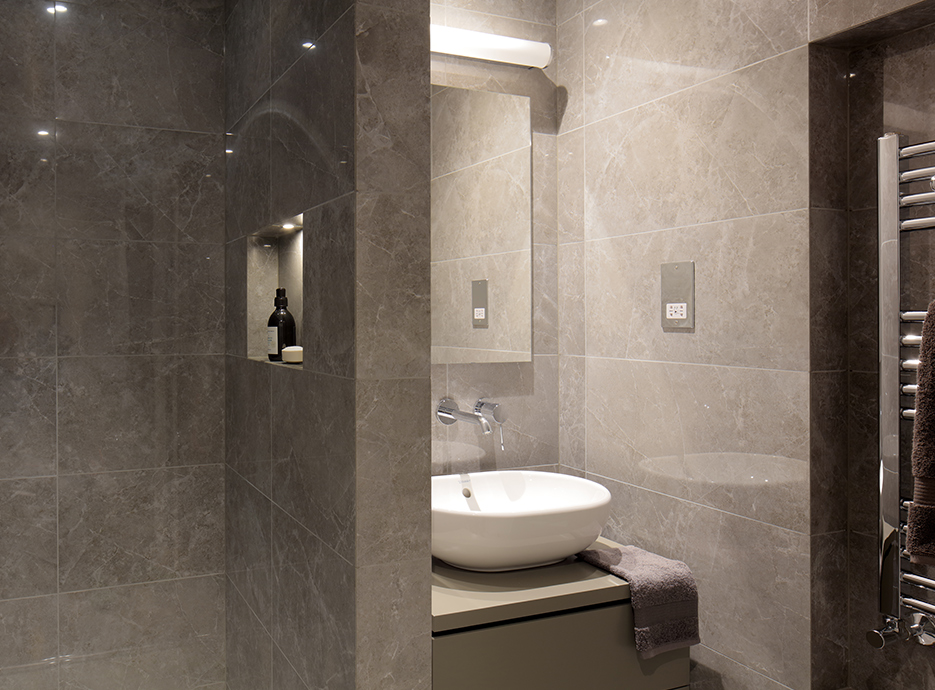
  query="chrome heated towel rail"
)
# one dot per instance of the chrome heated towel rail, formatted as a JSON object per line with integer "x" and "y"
{"x": 902, "y": 208}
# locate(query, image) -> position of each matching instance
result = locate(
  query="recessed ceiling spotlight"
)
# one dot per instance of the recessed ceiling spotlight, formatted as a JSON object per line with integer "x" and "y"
{"x": 42, "y": 133}
{"x": 599, "y": 22}
{"x": 308, "y": 45}
{"x": 288, "y": 226}
{"x": 56, "y": 8}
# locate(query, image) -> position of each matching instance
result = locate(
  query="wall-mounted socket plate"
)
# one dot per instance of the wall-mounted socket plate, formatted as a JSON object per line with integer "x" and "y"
{"x": 678, "y": 295}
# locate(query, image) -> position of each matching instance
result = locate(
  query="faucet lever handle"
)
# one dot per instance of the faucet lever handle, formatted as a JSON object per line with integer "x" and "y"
{"x": 491, "y": 410}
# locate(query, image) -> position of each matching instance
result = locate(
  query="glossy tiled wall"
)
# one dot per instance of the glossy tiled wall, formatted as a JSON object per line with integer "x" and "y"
{"x": 686, "y": 139}
{"x": 327, "y": 464}
{"x": 111, "y": 345}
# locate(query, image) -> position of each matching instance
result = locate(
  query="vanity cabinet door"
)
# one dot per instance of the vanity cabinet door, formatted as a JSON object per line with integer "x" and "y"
{"x": 588, "y": 648}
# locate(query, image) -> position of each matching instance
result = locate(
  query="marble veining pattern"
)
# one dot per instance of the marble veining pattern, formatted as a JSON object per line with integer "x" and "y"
{"x": 132, "y": 527}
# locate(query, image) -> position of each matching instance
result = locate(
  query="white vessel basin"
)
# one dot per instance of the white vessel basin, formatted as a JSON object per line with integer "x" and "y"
{"x": 508, "y": 520}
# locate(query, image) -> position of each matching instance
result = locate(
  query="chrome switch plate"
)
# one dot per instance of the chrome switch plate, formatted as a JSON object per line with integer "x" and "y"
{"x": 678, "y": 296}
{"x": 479, "y": 310}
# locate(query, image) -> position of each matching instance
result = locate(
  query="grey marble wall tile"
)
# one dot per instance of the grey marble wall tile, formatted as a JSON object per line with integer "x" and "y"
{"x": 544, "y": 188}
{"x": 829, "y": 461}
{"x": 752, "y": 297}
{"x": 713, "y": 671}
{"x": 27, "y": 57}
{"x": 27, "y": 417}
{"x": 828, "y": 283}
{"x": 247, "y": 64}
{"x": 731, "y": 438}
{"x": 828, "y": 125}
{"x": 572, "y": 299}
{"x": 139, "y": 184}
{"x": 828, "y": 599}
{"x": 35, "y": 677}
{"x": 174, "y": 614}
{"x": 545, "y": 98}
{"x": 744, "y": 134}
{"x": 863, "y": 466}
{"x": 746, "y": 570}
{"x": 470, "y": 127}
{"x": 529, "y": 394}
{"x": 248, "y": 430}
{"x": 393, "y": 470}
{"x": 140, "y": 298}
{"x": 263, "y": 270}
{"x": 862, "y": 290}
{"x": 393, "y": 625}
{"x": 570, "y": 69}
{"x": 285, "y": 677}
{"x": 27, "y": 296}
{"x": 235, "y": 297}
{"x": 27, "y": 176}
{"x": 314, "y": 597}
{"x": 539, "y": 11}
{"x": 393, "y": 291}
{"x": 509, "y": 289}
{"x": 128, "y": 527}
{"x": 545, "y": 297}
{"x": 248, "y": 539}
{"x": 119, "y": 413}
{"x": 293, "y": 23}
{"x": 29, "y": 628}
{"x": 314, "y": 473}
{"x": 643, "y": 53}
{"x": 248, "y": 183}
{"x": 572, "y": 412}
{"x": 140, "y": 63}
{"x": 393, "y": 122}
{"x": 184, "y": 666}
{"x": 329, "y": 288}
{"x": 866, "y": 89}
{"x": 829, "y": 17}
{"x": 28, "y": 549}
{"x": 312, "y": 140}
{"x": 571, "y": 186}
{"x": 249, "y": 647}
{"x": 483, "y": 209}
{"x": 566, "y": 9}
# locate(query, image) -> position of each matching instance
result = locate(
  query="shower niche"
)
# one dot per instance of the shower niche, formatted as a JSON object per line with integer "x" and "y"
{"x": 274, "y": 260}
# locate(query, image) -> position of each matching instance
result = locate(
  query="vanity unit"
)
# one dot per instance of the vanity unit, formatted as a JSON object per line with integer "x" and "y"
{"x": 568, "y": 625}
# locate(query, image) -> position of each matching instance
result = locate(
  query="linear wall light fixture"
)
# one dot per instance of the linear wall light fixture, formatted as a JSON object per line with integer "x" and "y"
{"x": 481, "y": 46}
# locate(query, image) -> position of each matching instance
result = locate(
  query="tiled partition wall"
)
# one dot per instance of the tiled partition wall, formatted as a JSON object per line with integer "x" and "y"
{"x": 328, "y": 463}
{"x": 111, "y": 345}
{"x": 528, "y": 391}
{"x": 685, "y": 137}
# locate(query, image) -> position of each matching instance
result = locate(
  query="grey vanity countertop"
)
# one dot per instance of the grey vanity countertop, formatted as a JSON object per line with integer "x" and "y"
{"x": 461, "y": 598}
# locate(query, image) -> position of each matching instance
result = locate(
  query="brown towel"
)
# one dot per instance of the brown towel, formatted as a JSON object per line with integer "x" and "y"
{"x": 920, "y": 540}
{"x": 663, "y": 594}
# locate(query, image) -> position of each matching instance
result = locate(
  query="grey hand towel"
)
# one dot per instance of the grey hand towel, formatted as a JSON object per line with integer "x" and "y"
{"x": 663, "y": 594}
{"x": 920, "y": 540}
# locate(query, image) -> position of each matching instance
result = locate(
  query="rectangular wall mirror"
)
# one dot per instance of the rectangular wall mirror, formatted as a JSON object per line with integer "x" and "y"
{"x": 481, "y": 226}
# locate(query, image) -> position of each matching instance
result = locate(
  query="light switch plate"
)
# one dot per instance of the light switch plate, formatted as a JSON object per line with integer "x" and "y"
{"x": 480, "y": 313}
{"x": 678, "y": 295}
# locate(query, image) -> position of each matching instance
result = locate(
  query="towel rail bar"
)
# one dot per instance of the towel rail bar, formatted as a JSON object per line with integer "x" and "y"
{"x": 917, "y": 223}
{"x": 897, "y": 608}
{"x": 917, "y": 150}
{"x": 917, "y": 174}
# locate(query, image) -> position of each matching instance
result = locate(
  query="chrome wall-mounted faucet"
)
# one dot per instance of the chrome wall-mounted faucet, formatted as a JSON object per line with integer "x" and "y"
{"x": 485, "y": 414}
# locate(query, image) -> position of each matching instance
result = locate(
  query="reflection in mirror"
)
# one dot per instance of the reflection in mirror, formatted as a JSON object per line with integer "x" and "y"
{"x": 481, "y": 226}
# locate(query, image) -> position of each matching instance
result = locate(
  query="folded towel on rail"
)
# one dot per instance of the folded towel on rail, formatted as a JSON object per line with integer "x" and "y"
{"x": 920, "y": 540}
{"x": 663, "y": 595}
